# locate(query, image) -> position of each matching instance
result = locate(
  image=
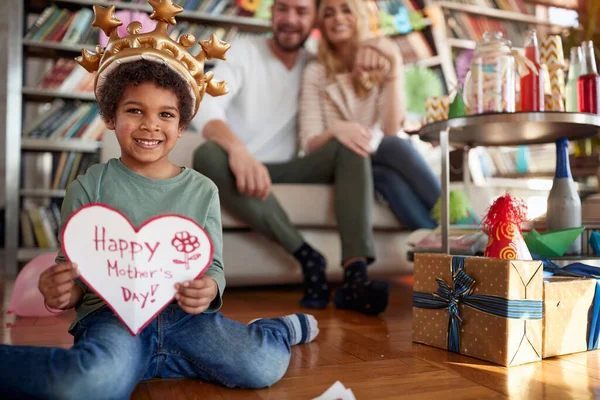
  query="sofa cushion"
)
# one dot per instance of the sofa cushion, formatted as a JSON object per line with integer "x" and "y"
{"x": 313, "y": 206}
{"x": 307, "y": 205}
{"x": 257, "y": 260}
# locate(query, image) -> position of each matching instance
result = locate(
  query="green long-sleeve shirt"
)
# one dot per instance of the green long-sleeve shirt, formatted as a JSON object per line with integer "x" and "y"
{"x": 139, "y": 198}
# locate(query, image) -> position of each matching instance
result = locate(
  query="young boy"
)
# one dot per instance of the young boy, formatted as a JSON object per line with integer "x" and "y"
{"x": 148, "y": 101}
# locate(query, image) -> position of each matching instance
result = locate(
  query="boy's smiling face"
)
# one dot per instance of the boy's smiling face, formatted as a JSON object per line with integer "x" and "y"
{"x": 147, "y": 126}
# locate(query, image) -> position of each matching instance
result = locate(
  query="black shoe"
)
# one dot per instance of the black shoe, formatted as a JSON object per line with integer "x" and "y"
{"x": 369, "y": 298}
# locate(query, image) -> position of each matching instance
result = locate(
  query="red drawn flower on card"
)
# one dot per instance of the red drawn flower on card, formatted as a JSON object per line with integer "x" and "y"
{"x": 186, "y": 244}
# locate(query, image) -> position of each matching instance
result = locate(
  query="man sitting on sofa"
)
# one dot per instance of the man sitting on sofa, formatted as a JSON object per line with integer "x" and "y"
{"x": 252, "y": 142}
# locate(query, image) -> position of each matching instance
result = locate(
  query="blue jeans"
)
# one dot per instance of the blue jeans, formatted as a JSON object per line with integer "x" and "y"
{"x": 106, "y": 361}
{"x": 403, "y": 178}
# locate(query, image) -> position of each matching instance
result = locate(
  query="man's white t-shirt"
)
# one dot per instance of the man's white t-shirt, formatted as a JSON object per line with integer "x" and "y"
{"x": 261, "y": 107}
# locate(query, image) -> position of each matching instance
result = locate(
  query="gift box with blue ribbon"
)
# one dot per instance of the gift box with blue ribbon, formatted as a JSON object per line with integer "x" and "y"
{"x": 568, "y": 315}
{"x": 577, "y": 303}
{"x": 485, "y": 308}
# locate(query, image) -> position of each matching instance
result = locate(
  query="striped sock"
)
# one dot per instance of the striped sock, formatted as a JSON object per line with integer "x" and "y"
{"x": 303, "y": 328}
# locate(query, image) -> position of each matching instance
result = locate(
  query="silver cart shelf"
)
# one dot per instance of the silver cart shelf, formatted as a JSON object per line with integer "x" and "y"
{"x": 502, "y": 129}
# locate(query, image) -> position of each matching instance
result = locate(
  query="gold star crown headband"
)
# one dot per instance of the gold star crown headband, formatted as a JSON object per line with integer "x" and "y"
{"x": 154, "y": 46}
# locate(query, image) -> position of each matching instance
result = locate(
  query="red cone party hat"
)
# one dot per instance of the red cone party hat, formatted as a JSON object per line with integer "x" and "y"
{"x": 503, "y": 227}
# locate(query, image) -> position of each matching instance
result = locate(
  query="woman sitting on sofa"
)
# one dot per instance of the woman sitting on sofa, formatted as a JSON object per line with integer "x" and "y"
{"x": 354, "y": 93}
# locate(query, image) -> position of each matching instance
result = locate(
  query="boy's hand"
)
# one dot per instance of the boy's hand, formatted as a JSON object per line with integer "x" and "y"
{"x": 57, "y": 286}
{"x": 194, "y": 297}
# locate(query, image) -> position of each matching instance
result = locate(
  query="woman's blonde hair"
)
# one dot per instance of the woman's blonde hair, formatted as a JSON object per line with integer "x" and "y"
{"x": 363, "y": 83}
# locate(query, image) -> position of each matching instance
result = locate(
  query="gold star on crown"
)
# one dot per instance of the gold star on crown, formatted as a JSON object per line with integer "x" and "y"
{"x": 154, "y": 46}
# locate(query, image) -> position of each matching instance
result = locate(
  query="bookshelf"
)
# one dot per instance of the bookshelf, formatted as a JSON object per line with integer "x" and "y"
{"x": 44, "y": 145}
{"x": 11, "y": 28}
{"x": 428, "y": 62}
{"x": 42, "y": 95}
{"x": 246, "y": 23}
{"x": 53, "y": 50}
{"x": 43, "y": 193}
{"x": 493, "y": 13}
{"x": 461, "y": 25}
{"x": 461, "y": 43}
{"x": 37, "y": 48}
{"x": 467, "y": 44}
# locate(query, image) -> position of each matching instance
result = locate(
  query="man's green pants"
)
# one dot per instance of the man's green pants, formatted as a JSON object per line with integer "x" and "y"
{"x": 334, "y": 164}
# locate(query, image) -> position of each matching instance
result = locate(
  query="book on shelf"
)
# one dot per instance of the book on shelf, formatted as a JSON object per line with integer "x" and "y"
{"x": 68, "y": 165}
{"x": 513, "y": 161}
{"x": 462, "y": 25}
{"x": 61, "y": 25}
{"x": 39, "y": 225}
{"x": 394, "y": 18}
{"x": 414, "y": 47}
{"x": 67, "y": 120}
{"x": 67, "y": 76}
{"x": 398, "y": 16}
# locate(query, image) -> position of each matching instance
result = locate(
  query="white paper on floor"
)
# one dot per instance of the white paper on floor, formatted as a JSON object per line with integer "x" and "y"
{"x": 337, "y": 392}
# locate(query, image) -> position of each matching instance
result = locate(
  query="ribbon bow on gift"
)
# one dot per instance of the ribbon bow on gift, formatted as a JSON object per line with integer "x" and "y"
{"x": 461, "y": 292}
{"x": 445, "y": 295}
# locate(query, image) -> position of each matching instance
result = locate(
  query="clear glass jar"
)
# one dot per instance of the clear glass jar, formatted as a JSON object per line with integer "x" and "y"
{"x": 490, "y": 84}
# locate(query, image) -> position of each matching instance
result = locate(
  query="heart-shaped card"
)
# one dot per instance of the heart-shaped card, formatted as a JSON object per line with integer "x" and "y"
{"x": 134, "y": 270}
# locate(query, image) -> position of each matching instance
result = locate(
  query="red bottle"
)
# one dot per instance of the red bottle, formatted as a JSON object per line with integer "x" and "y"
{"x": 588, "y": 83}
{"x": 532, "y": 85}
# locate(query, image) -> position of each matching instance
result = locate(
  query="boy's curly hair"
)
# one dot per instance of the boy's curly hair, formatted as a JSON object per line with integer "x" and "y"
{"x": 140, "y": 72}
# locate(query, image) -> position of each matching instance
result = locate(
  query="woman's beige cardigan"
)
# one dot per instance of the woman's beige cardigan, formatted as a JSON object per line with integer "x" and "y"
{"x": 325, "y": 100}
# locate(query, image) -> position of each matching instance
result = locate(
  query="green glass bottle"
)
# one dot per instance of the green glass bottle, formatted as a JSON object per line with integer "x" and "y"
{"x": 571, "y": 104}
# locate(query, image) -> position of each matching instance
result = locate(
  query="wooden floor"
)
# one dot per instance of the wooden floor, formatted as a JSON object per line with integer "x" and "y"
{"x": 374, "y": 356}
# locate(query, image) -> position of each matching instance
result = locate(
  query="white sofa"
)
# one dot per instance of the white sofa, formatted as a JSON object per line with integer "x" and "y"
{"x": 251, "y": 259}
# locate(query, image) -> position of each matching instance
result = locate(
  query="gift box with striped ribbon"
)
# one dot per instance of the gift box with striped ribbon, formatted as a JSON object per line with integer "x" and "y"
{"x": 481, "y": 307}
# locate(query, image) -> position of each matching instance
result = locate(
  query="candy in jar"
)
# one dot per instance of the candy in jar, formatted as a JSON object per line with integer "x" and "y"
{"x": 490, "y": 84}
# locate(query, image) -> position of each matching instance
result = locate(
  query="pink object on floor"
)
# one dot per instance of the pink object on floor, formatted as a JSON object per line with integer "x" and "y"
{"x": 26, "y": 299}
